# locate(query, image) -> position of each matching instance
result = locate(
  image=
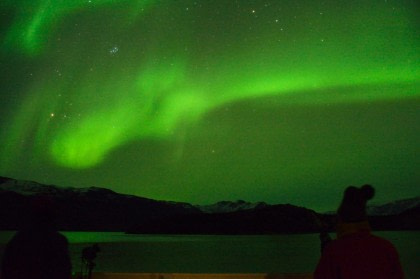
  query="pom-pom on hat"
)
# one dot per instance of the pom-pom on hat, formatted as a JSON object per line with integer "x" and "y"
{"x": 353, "y": 205}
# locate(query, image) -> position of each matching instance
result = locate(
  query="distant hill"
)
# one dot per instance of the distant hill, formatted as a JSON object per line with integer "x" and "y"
{"x": 100, "y": 209}
{"x": 390, "y": 208}
{"x": 275, "y": 219}
{"x": 393, "y": 208}
{"x": 230, "y": 206}
{"x": 97, "y": 208}
{"x": 397, "y": 215}
{"x": 90, "y": 208}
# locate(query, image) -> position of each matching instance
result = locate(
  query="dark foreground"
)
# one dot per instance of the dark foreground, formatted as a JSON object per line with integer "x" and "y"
{"x": 197, "y": 276}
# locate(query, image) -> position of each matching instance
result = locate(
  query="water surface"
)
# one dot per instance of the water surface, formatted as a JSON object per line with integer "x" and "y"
{"x": 216, "y": 254}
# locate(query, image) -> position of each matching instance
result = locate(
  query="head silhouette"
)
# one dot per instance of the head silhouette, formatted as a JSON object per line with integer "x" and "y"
{"x": 37, "y": 250}
{"x": 353, "y": 205}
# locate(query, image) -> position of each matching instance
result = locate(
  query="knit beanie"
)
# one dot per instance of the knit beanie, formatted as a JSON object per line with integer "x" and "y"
{"x": 353, "y": 205}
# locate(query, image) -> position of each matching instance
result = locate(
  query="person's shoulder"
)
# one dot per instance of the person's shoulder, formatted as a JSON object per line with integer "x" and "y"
{"x": 332, "y": 246}
{"x": 57, "y": 237}
{"x": 21, "y": 236}
{"x": 61, "y": 236}
{"x": 350, "y": 240}
{"x": 382, "y": 242}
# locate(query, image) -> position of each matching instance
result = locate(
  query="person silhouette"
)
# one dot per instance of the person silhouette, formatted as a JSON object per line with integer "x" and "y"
{"x": 356, "y": 253}
{"x": 325, "y": 239}
{"x": 88, "y": 258}
{"x": 38, "y": 250}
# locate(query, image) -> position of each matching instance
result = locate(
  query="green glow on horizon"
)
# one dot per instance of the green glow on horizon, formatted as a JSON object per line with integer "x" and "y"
{"x": 147, "y": 89}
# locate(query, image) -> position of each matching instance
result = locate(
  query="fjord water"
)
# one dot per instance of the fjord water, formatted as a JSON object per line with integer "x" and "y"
{"x": 217, "y": 254}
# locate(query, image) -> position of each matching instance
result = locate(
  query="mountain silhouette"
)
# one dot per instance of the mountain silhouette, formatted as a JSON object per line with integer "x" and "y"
{"x": 101, "y": 209}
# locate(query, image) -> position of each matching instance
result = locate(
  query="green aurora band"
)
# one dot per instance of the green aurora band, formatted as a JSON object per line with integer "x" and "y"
{"x": 112, "y": 72}
{"x": 37, "y": 18}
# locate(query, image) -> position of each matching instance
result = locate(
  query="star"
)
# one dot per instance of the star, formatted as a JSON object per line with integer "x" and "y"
{"x": 114, "y": 50}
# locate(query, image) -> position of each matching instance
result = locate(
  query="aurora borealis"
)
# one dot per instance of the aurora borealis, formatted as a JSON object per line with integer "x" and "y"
{"x": 201, "y": 101}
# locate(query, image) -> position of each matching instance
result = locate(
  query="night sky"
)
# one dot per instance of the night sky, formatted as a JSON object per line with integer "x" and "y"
{"x": 282, "y": 101}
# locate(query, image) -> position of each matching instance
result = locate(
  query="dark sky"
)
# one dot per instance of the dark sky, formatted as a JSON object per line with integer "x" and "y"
{"x": 200, "y": 101}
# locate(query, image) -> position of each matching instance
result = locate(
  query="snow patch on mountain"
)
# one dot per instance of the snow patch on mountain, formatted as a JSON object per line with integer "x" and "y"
{"x": 230, "y": 206}
{"x": 393, "y": 208}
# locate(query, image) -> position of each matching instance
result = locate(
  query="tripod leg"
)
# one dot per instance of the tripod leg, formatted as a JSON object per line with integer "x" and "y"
{"x": 90, "y": 271}
{"x": 81, "y": 269}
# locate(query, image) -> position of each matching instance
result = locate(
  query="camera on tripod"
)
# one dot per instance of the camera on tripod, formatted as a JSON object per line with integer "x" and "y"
{"x": 88, "y": 256}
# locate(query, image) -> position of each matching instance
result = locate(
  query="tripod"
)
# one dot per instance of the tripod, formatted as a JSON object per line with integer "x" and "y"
{"x": 87, "y": 264}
